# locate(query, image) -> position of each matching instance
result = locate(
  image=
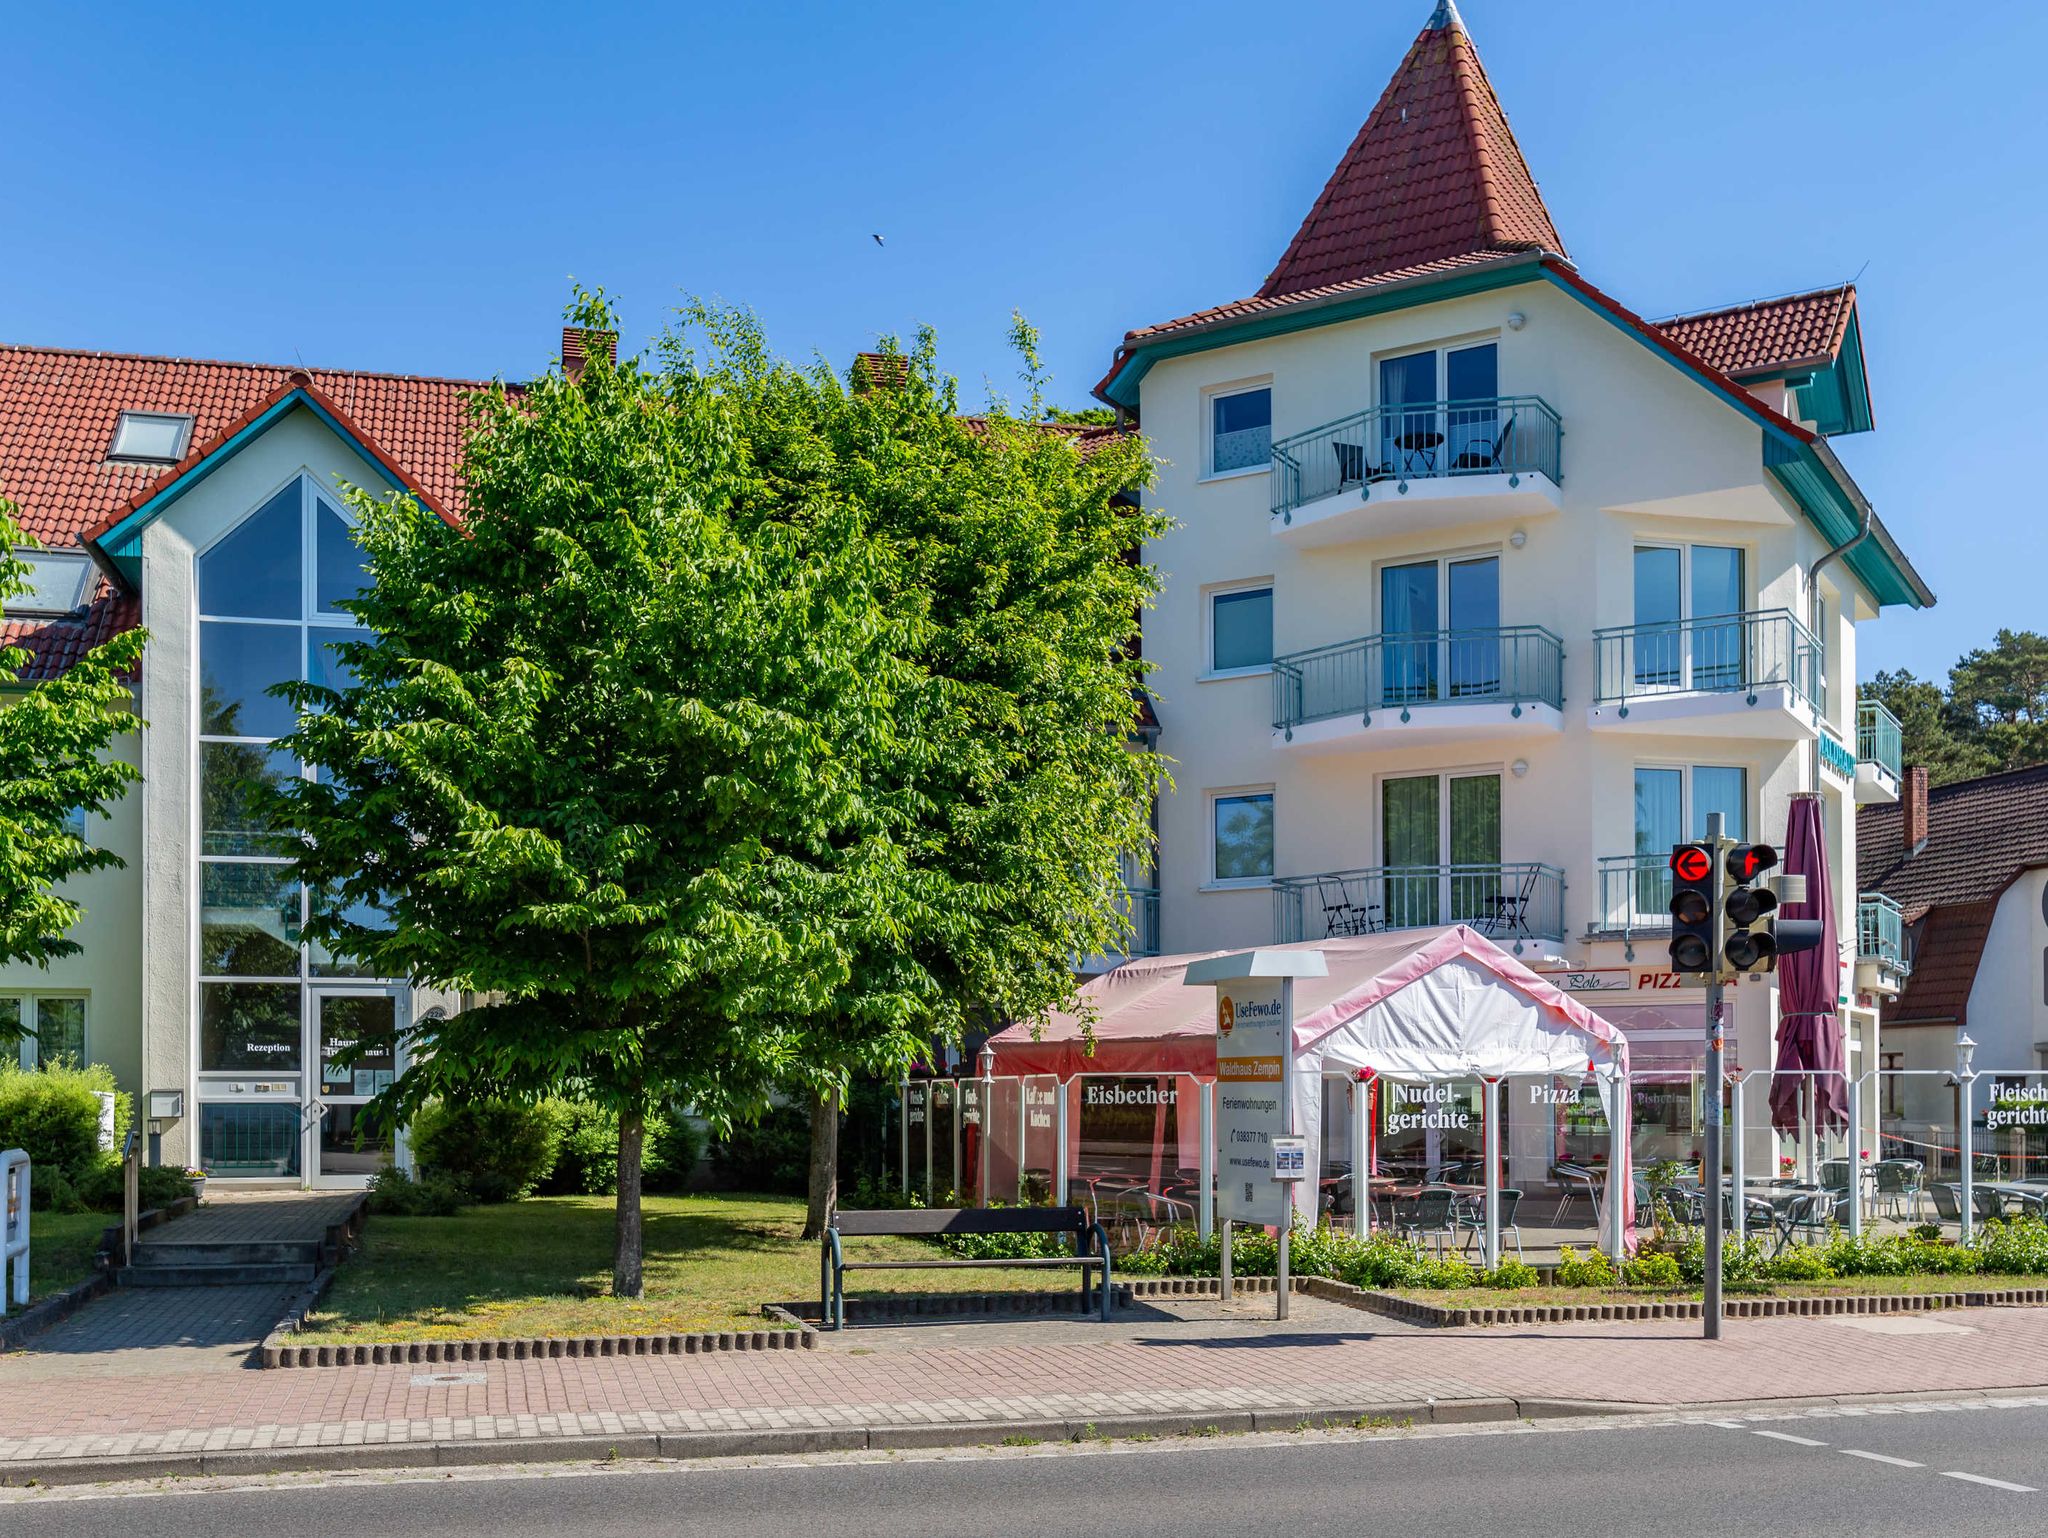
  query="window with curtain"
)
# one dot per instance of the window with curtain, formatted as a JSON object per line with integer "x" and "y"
{"x": 1241, "y": 430}
{"x": 52, "y": 1026}
{"x": 1410, "y": 829}
{"x": 1475, "y": 844}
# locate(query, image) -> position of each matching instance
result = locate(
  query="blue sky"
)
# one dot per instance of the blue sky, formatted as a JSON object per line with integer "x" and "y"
{"x": 411, "y": 187}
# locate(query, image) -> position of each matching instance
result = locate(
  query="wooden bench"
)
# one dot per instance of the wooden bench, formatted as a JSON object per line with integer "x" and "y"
{"x": 930, "y": 1222}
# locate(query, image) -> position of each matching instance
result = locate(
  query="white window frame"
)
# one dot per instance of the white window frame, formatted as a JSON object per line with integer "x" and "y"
{"x": 1217, "y": 883}
{"x": 1443, "y": 350}
{"x": 1443, "y": 806}
{"x": 28, "y": 1002}
{"x": 1211, "y": 394}
{"x": 182, "y": 418}
{"x": 1685, "y": 768}
{"x": 1210, "y": 594}
{"x": 78, "y": 584}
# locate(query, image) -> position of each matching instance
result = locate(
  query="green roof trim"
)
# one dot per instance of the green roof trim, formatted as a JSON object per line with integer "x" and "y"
{"x": 1836, "y": 398}
{"x": 1834, "y": 507}
{"x": 1122, "y": 388}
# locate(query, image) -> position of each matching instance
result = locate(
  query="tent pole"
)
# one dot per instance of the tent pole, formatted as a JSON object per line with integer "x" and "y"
{"x": 1492, "y": 1137}
{"x": 1856, "y": 1158}
{"x": 1205, "y": 1199}
{"x": 1059, "y": 1163}
{"x": 1740, "y": 1213}
{"x": 1361, "y": 1158}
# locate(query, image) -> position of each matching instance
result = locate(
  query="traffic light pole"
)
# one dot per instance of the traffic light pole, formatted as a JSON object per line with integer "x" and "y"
{"x": 1710, "y": 1095}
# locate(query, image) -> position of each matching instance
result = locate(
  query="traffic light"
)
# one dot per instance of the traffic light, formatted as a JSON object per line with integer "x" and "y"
{"x": 1695, "y": 928}
{"x": 1753, "y": 937}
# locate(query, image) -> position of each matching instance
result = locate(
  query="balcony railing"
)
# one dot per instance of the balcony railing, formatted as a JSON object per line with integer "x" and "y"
{"x": 1518, "y": 664}
{"x": 1511, "y": 435}
{"x": 1513, "y": 903}
{"x": 1878, "y": 737}
{"x": 1721, "y": 654}
{"x": 1635, "y": 896}
{"x": 1143, "y": 904}
{"x": 1881, "y": 932}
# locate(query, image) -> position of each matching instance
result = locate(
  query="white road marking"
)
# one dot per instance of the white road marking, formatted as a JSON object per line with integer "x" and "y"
{"x": 1786, "y": 1436}
{"x": 1897, "y": 1463}
{"x": 1996, "y": 1484}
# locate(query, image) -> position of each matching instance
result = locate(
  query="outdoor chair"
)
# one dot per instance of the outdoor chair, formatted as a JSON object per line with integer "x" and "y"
{"x": 1428, "y": 1215}
{"x": 1990, "y": 1205}
{"x": 1350, "y": 464}
{"x": 1576, "y": 1179}
{"x": 1834, "y": 1175}
{"x": 1471, "y": 1215}
{"x": 1482, "y": 454}
{"x": 1342, "y": 916}
{"x": 1813, "y": 1214}
{"x": 1679, "y": 1205}
{"x": 1948, "y": 1203}
{"x": 1511, "y": 909}
{"x": 1898, "y": 1187}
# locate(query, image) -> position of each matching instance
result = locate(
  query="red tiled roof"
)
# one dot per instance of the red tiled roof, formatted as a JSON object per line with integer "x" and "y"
{"x": 54, "y": 644}
{"x": 1800, "y": 330}
{"x": 58, "y": 409}
{"x": 1434, "y": 173}
{"x": 1948, "y": 944}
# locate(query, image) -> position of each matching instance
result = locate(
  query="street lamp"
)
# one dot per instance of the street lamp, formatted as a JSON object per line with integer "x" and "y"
{"x": 1966, "y": 1049}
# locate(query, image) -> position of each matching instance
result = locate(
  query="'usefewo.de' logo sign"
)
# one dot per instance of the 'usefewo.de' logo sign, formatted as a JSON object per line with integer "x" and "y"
{"x": 1226, "y": 1014}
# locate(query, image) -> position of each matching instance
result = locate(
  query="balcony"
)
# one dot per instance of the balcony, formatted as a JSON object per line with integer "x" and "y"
{"x": 1141, "y": 903}
{"x": 1425, "y": 465}
{"x": 1422, "y": 688}
{"x": 1520, "y": 905}
{"x": 1881, "y": 965}
{"x": 1880, "y": 754}
{"x": 1755, "y": 675}
{"x": 1634, "y": 900}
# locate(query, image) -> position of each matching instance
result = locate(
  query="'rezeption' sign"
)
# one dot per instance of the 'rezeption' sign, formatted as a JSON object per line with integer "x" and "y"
{"x": 1251, "y": 1085}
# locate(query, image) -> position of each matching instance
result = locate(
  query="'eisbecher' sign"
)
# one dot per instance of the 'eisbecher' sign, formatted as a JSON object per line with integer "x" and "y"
{"x": 1251, "y": 1046}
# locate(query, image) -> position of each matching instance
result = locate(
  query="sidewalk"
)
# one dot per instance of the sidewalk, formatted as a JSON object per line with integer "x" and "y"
{"x": 969, "y": 1384}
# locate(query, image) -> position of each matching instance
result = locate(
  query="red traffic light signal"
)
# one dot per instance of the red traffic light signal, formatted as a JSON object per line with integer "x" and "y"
{"x": 1748, "y": 861}
{"x": 1691, "y": 862}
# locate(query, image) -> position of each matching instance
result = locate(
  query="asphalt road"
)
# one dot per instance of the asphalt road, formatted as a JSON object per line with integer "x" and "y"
{"x": 1864, "y": 1474}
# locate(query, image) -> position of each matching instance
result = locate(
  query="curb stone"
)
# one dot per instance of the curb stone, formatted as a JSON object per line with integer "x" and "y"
{"x": 786, "y": 1441}
{"x": 15, "y": 1331}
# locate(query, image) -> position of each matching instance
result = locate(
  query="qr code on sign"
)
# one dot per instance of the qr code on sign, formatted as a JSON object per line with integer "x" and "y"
{"x": 1247, "y": 1191}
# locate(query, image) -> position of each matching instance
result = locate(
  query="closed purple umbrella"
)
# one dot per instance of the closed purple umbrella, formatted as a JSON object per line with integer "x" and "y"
{"x": 1809, "y": 1036}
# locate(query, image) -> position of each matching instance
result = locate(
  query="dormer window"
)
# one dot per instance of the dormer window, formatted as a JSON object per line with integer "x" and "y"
{"x": 151, "y": 437}
{"x": 59, "y": 581}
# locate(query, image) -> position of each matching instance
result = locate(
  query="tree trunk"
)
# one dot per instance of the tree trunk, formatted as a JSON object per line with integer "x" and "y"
{"x": 626, "y": 1246}
{"x": 824, "y": 1194}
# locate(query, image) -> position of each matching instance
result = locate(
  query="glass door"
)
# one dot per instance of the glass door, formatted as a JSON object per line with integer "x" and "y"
{"x": 1472, "y": 835}
{"x": 1472, "y": 413}
{"x": 1408, "y": 630}
{"x": 1409, "y": 438}
{"x": 1440, "y": 630}
{"x": 1440, "y": 837}
{"x": 1660, "y": 819}
{"x": 1716, "y": 589}
{"x": 1474, "y": 663}
{"x": 1659, "y": 660}
{"x": 355, "y": 1035}
{"x": 1410, "y": 818}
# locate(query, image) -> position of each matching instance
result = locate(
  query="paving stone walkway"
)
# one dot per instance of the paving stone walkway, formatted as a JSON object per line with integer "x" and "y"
{"x": 1015, "y": 1375}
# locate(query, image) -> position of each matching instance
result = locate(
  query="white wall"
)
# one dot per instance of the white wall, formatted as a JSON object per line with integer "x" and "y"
{"x": 2008, "y": 1011}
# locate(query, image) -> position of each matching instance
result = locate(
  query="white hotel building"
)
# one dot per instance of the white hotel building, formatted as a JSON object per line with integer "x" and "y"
{"x": 1485, "y": 591}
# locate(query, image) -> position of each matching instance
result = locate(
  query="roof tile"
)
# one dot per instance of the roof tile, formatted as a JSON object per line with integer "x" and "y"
{"x": 1769, "y": 335}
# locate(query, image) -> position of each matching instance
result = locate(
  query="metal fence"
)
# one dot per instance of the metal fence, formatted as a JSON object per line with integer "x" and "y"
{"x": 1723, "y": 654}
{"x": 1879, "y": 738}
{"x": 1518, "y": 664}
{"x": 1514, "y": 901}
{"x": 1512, "y": 435}
{"x": 1880, "y": 931}
{"x": 1634, "y": 896}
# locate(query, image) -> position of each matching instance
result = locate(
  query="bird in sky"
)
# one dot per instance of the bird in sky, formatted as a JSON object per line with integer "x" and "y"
{"x": 878, "y": 240}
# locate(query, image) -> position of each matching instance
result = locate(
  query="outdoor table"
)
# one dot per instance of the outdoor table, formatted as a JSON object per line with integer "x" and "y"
{"x": 2027, "y": 1193}
{"x": 1421, "y": 444}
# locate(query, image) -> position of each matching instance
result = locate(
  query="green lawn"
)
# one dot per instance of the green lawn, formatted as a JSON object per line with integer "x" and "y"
{"x": 542, "y": 1267}
{"x": 60, "y": 1249}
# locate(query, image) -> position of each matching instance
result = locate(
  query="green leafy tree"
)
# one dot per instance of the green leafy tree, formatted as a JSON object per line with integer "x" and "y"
{"x": 57, "y": 737}
{"x": 601, "y": 764}
{"x": 2003, "y": 692}
{"x": 1012, "y": 567}
{"x": 1931, "y": 732}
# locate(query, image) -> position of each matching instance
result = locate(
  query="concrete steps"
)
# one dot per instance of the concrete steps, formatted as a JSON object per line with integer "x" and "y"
{"x": 160, "y": 1274}
{"x": 242, "y": 1243}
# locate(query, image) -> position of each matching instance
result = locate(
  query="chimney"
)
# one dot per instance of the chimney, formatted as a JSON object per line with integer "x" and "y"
{"x": 1914, "y": 816}
{"x": 879, "y": 371}
{"x": 577, "y": 344}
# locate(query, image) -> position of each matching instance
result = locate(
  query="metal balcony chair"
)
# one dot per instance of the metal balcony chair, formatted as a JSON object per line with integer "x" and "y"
{"x": 1898, "y": 1186}
{"x": 1576, "y": 1178}
{"x": 1350, "y": 464}
{"x": 1483, "y": 454}
{"x": 1470, "y": 1214}
{"x": 1342, "y": 916}
{"x": 1431, "y": 1214}
{"x": 1511, "y": 910}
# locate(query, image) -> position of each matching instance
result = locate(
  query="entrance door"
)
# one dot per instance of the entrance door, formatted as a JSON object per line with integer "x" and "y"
{"x": 363, "y": 1024}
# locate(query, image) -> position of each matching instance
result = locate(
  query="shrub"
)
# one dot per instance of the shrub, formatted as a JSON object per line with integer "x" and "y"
{"x": 1005, "y": 1246}
{"x": 771, "y": 1154}
{"x": 1927, "y": 1233}
{"x": 52, "y": 1114}
{"x": 1651, "y": 1268}
{"x": 2015, "y": 1247}
{"x": 1592, "y": 1269}
{"x": 394, "y": 1193}
{"x": 586, "y": 1150}
{"x": 1801, "y": 1263}
{"x": 1739, "y": 1262}
{"x": 1512, "y": 1276}
{"x": 496, "y": 1150}
{"x": 674, "y": 1145}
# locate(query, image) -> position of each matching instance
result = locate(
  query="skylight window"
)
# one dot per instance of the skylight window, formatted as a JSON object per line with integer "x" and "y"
{"x": 58, "y": 582}
{"x": 150, "y": 436}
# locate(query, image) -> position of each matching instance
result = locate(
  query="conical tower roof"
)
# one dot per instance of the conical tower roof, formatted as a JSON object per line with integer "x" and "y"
{"x": 1434, "y": 173}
